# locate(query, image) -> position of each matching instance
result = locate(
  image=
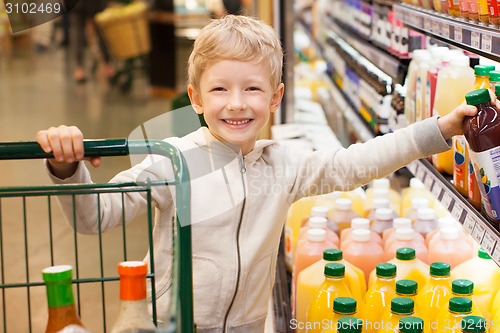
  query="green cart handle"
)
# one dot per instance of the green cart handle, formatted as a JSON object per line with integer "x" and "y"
{"x": 123, "y": 147}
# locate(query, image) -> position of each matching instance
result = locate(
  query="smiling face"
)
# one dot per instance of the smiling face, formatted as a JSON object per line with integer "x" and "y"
{"x": 236, "y": 99}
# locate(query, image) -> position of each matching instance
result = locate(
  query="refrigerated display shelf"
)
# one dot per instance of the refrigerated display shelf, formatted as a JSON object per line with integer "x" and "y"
{"x": 479, "y": 38}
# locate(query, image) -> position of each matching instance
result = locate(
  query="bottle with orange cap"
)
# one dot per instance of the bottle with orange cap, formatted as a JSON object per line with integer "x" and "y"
{"x": 134, "y": 312}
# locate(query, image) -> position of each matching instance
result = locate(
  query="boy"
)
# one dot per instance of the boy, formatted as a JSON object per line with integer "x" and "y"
{"x": 239, "y": 205}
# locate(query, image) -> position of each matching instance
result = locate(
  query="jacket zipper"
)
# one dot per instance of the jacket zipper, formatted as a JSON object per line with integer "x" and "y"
{"x": 242, "y": 171}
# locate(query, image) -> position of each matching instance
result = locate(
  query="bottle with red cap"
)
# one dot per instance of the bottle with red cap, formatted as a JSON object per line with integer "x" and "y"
{"x": 134, "y": 312}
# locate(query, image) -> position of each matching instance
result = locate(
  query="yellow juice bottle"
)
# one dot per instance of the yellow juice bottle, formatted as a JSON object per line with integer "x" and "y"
{"x": 450, "y": 317}
{"x": 411, "y": 324}
{"x": 379, "y": 297}
{"x": 474, "y": 324}
{"x": 408, "y": 267}
{"x": 349, "y": 325}
{"x": 342, "y": 307}
{"x": 312, "y": 277}
{"x": 357, "y": 197}
{"x": 495, "y": 307}
{"x": 409, "y": 289}
{"x": 437, "y": 292}
{"x": 400, "y": 307}
{"x": 320, "y": 309}
{"x": 465, "y": 288}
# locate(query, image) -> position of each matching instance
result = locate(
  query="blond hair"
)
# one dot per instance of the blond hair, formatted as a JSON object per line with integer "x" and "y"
{"x": 239, "y": 38}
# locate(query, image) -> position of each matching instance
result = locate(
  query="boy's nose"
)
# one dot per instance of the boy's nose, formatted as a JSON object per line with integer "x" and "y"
{"x": 236, "y": 103}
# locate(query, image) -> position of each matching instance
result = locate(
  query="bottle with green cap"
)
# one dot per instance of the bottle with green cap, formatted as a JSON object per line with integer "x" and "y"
{"x": 485, "y": 274}
{"x": 349, "y": 325}
{"x": 321, "y": 306}
{"x": 483, "y": 136}
{"x": 411, "y": 325}
{"x": 342, "y": 307}
{"x": 378, "y": 297}
{"x": 408, "y": 267}
{"x": 450, "y": 316}
{"x": 474, "y": 324}
{"x": 400, "y": 307}
{"x": 494, "y": 78}
{"x": 436, "y": 292}
{"x": 465, "y": 288}
{"x": 409, "y": 289}
{"x": 60, "y": 299}
{"x": 312, "y": 277}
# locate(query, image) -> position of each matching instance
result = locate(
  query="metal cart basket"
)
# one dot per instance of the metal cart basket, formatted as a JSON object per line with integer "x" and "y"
{"x": 32, "y": 210}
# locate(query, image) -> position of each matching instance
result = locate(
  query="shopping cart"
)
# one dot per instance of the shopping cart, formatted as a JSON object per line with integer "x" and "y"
{"x": 22, "y": 292}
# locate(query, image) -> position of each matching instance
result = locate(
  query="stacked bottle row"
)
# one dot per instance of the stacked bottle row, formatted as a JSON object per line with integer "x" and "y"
{"x": 333, "y": 288}
{"x": 133, "y": 314}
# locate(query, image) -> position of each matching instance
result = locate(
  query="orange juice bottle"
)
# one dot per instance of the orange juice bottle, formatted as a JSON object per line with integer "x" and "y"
{"x": 450, "y": 248}
{"x": 400, "y": 223}
{"x": 405, "y": 237}
{"x": 343, "y": 213}
{"x": 321, "y": 306}
{"x": 400, "y": 307}
{"x": 383, "y": 220}
{"x": 312, "y": 277}
{"x": 409, "y": 289}
{"x": 465, "y": 288}
{"x": 426, "y": 221}
{"x": 358, "y": 223}
{"x": 437, "y": 292}
{"x": 474, "y": 324}
{"x": 408, "y": 268}
{"x": 342, "y": 307}
{"x": 322, "y": 211}
{"x": 485, "y": 274}
{"x": 363, "y": 253}
{"x": 317, "y": 223}
{"x": 379, "y": 296}
{"x": 449, "y": 318}
{"x": 416, "y": 204}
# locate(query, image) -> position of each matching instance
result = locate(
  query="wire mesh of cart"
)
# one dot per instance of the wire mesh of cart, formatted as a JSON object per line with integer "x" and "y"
{"x": 44, "y": 242}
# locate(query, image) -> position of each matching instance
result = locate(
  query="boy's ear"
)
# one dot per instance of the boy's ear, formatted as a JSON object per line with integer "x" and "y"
{"x": 277, "y": 96}
{"x": 195, "y": 99}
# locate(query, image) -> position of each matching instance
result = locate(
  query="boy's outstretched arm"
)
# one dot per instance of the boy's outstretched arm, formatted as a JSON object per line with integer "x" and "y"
{"x": 66, "y": 143}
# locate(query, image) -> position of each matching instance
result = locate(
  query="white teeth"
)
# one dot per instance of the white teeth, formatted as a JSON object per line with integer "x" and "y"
{"x": 237, "y": 122}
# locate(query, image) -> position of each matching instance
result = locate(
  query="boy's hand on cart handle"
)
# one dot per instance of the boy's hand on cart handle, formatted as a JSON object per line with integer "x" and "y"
{"x": 451, "y": 124}
{"x": 66, "y": 144}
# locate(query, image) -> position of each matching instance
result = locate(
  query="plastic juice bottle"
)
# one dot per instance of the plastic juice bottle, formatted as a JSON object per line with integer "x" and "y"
{"x": 350, "y": 325}
{"x": 398, "y": 223}
{"x": 454, "y": 7}
{"x": 379, "y": 296}
{"x": 437, "y": 292}
{"x": 482, "y": 9}
{"x": 343, "y": 213}
{"x": 342, "y": 307}
{"x": 317, "y": 223}
{"x": 494, "y": 78}
{"x": 311, "y": 250}
{"x": 409, "y": 268}
{"x": 411, "y": 325}
{"x": 416, "y": 204}
{"x": 358, "y": 223}
{"x": 61, "y": 302}
{"x": 438, "y": 56}
{"x": 473, "y": 10}
{"x": 483, "y": 136}
{"x": 411, "y": 82}
{"x": 134, "y": 314}
{"x": 312, "y": 277}
{"x": 450, "y": 318}
{"x": 405, "y": 237}
{"x": 322, "y": 211}
{"x": 495, "y": 307}
{"x": 373, "y": 193}
{"x": 376, "y": 204}
{"x": 415, "y": 190}
{"x": 321, "y": 306}
{"x": 450, "y": 248}
{"x": 426, "y": 221}
{"x": 357, "y": 197}
{"x": 409, "y": 289}
{"x": 363, "y": 253}
{"x": 383, "y": 220}
{"x": 493, "y": 12}
{"x": 400, "y": 307}
{"x": 454, "y": 81}
{"x": 485, "y": 274}
{"x": 443, "y": 222}
{"x": 420, "y": 86}
{"x": 474, "y": 324}
{"x": 465, "y": 288}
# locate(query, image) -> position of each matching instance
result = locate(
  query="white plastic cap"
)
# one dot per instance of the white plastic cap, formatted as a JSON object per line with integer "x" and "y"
{"x": 461, "y": 61}
{"x": 361, "y": 235}
{"x": 438, "y": 51}
{"x": 343, "y": 204}
{"x": 319, "y": 211}
{"x": 380, "y": 183}
{"x": 401, "y": 222}
{"x": 446, "y": 222}
{"x": 416, "y": 183}
{"x": 384, "y": 214}
{"x": 427, "y": 56}
{"x": 360, "y": 223}
{"x": 317, "y": 222}
{"x": 451, "y": 54}
{"x": 381, "y": 193}
{"x": 448, "y": 233}
{"x": 426, "y": 214}
{"x": 381, "y": 203}
{"x": 418, "y": 54}
{"x": 405, "y": 234}
{"x": 419, "y": 203}
{"x": 316, "y": 235}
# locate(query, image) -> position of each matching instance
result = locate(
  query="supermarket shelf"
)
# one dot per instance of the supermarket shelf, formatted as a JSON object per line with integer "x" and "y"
{"x": 478, "y": 38}
{"x": 473, "y": 222}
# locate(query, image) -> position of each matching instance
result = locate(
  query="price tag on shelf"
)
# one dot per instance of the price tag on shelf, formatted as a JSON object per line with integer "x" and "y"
{"x": 478, "y": 232}
{"x": 436, "y": 189}
{"x": 457, "y": 33}
{"x": 457, "y": 212}
{"x": 475, "y": 39}
{"x": 488, "y": 243}
{"x": 446, "y": 200}
{"x": 427, "y": 24}
{"x": 435, "y": 27}
{"x": 428, "y": 181}
{"x": 420, "y": 173}
{"x": 445, "y": 30}
{"x": 486, "y": 43}
{"x": 469, "y": 223}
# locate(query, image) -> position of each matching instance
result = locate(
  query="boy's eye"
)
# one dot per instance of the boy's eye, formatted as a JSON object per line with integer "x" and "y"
{"x": 253, "y": 89}
{"x": 218, "y": 89}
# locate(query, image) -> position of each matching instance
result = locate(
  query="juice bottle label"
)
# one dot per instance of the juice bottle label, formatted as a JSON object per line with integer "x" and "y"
{"x": 487, "y": 170}
{"x": 482, "y": 7}
{"x": 472, "y": 188}
{"x": 460, "y": 174}
{"x": 492, "y": 7}
{"x": 472, "y": 6}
